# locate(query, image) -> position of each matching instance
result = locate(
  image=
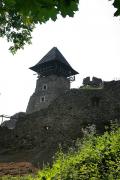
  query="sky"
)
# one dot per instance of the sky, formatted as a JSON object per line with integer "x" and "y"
{"x": 89, "y": 42}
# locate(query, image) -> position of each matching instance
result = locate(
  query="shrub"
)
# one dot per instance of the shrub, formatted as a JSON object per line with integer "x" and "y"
{"x": 93, "y": 158}
{"x": 96, "y": 158}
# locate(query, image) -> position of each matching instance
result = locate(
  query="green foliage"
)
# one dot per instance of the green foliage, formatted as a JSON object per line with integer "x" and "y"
{"x": 94, "y": 158}
{"x": 97, "y": 158}
{"x": 116, "y": 4}
{"x": 18, "y": 17}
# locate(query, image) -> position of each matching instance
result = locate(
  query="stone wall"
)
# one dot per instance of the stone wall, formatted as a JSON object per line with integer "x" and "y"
{"x": 96, "y": 82}
{"x": 37, "y": 136}
{"x": 10, "y": 124}
{"x": 47, "y": 89}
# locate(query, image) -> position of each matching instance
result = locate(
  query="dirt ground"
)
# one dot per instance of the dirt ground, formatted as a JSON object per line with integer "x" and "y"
{"x": 19, "y": 168}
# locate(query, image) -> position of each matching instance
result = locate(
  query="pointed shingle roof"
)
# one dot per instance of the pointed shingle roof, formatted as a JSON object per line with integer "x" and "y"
{"x": 53, "y": 55}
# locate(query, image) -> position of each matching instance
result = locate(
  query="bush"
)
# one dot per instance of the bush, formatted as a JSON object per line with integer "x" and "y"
{"x": 96, "y": 158}
{"x": 93, "y": 158}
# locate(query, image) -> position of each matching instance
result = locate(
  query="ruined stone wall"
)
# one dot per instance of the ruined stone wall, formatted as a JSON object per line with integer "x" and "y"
{"x": 47, "y": 89}
{"x": 38, "y": 135}
{"x": 96, "y": 82}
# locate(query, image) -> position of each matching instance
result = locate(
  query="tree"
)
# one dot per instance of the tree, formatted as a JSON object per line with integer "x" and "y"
{"x": 116, "y": 4}
{"x": 19, "y": 17}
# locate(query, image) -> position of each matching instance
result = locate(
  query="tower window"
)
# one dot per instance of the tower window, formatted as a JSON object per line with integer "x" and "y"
{"x": 42, "y": 99}
{"x": 44, "y": 87}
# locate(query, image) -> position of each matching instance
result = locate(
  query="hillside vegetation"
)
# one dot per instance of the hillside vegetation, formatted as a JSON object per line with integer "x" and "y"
{"x": 95, "y": 157}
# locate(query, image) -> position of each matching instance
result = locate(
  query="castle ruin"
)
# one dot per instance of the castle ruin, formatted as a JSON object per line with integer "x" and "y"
{"x": 57, "y": 114}
{"x": 54, "y": 77}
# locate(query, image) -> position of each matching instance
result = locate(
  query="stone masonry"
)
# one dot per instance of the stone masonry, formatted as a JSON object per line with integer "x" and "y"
{"x": 54, "y": 76}
{"x": 47, "y": 89}
{"x": 37, "y": 136}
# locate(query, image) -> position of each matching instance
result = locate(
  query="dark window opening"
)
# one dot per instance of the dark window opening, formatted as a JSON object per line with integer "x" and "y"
{"x": 95, "y": 101}
{"x": 44, "y": 87}
{"x": 42, "y": 99}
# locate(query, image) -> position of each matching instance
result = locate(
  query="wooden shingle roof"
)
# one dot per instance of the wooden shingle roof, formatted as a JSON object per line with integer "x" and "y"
{"x": 54, "y": 55}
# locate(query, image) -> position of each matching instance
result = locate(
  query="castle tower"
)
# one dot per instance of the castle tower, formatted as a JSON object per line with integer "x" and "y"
{"x": 54, "y": 77}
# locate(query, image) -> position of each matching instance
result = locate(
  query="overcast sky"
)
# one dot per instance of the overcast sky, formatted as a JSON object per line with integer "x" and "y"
{"x": 89, "y": 41}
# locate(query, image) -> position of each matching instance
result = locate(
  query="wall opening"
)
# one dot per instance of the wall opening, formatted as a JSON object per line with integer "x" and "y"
{"x": 95, "y": 101}
{"x": 42, "y": 99}
{"x": 44, "y": 87}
